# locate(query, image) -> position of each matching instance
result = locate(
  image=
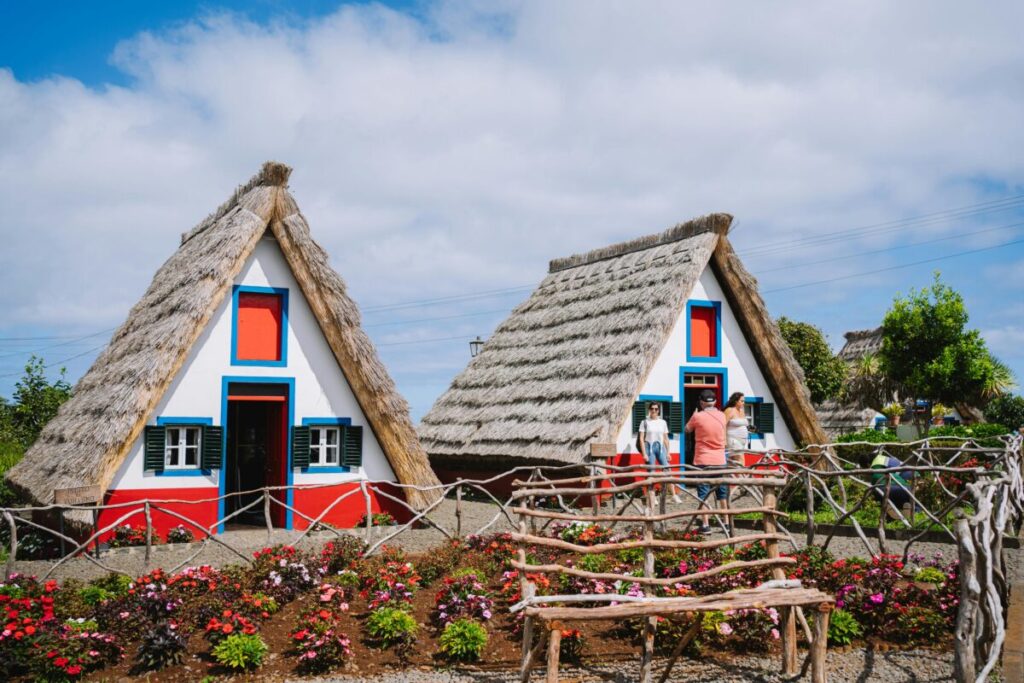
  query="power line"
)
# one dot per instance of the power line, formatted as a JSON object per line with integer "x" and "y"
{"x": 54, "y": 346}
{"x": 458, "y": 297}
{"x": 443, "y": 317}
{"x": 62, "y": 360}
{"x": 897, "y": 267}
{"x": 845, "y": 257}
{"x": 891, "y": 226}
{"x": 427, "y": 341}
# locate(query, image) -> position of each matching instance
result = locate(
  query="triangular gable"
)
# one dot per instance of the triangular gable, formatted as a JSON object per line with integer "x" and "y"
{"x": 93, "y": 431}
{"x": 563, "y": 370}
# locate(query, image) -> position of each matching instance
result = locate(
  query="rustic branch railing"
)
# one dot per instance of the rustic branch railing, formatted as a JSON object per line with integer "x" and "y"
{"x": 968, "y": 492}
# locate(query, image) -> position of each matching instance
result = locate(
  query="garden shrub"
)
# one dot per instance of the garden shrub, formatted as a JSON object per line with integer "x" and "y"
{"x": 126, "y": 536}
{"x": 843, "y": 628}
{"x": 161, "y": 645}
{"x": 493, "y": 552}
{"x": 462, "y": 596}
{"x": 392, "y": 584}
{"x": 596, "y": 563}
{"x": 571, "y": 646}
{"x": 439, "y": 562}
{"x": 240, "y": 651}
{"x": 180, "y": 534}
{"x": 339, "y": 555}
{"x": 282, "y": 572}
{"x": 392, "y": 627}
{"x": 377, "y": 519}
{"x": 930, "y": 575}
{"x": 921, "y": 626}
{"x": 582, "y": 533}
{"x": 317, "y": 636}
{"x": 228, "y": 623}
{"x": 463, "y": 640}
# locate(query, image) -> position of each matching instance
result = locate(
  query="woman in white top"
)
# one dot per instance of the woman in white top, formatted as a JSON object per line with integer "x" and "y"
{"x": 654, "y": 438}
{"x": 736, "y": 432}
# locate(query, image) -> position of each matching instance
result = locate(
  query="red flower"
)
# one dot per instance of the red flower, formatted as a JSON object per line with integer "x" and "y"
{"x": 74, "y": 670}
{"x": 227, "y": 628}
{"x": 29, "y": 630}
{"x": 61, "y": 662}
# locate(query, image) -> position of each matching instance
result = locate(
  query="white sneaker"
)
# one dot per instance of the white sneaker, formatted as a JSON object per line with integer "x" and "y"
{"x": 676, "y": 498}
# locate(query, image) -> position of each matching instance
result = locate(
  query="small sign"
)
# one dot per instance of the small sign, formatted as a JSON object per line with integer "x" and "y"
{"x": 78, "y": 495}
{"x": 602, "y": 450}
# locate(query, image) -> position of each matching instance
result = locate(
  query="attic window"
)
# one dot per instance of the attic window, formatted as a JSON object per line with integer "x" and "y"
{"x": 259, "y": 326}
{"x": 704, "y": 331}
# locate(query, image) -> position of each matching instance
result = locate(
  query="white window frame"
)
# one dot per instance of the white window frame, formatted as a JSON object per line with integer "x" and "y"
{"x": 181, "y": 449}
{"x": 322, "y": 453}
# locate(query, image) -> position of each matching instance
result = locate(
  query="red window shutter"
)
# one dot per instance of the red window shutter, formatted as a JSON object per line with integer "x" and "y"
{"x": 703, "y": 327}
{"x": 259, "y": 326}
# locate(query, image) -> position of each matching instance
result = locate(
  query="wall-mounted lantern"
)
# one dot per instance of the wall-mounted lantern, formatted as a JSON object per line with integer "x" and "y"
{"x": 475, "y": 346}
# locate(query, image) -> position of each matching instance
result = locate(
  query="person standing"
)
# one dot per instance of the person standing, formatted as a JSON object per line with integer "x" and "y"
{"x": 654, "y": 438}
{"x": 708, "y": 424}
{"x": 736, "y": 432}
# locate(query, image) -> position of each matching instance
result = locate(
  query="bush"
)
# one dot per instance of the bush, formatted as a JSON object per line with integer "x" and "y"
{"x": 462, "y": 596}
{"x": 317, "y": 637}
{"x": 180, "y": 534}
{"x": 282, "y": 572}
{"x": 377, "y": 519}
{"x": 162, "y": 645}
{"x": 582, "y": 533}
{"x": 843, "y": 628}
{"x": 571, "y": 645}
{"x": 930, "y": 575}
{"x": 597, "y": 564}
{"x": 463, "y": 640}
{"x": 391, "y": 584}
{"x": 392, "y": 627}
{"x": 240, "y": 651}
{"x": 127, "y": 535}
{"x": 440, "y": 561}
{"x": 982, "y": 432}
{"x": 219, "y": 629}
{"x": 921, "y": 626}
{"x": 1006, "y": 410}
{"x": 339, "y": 554}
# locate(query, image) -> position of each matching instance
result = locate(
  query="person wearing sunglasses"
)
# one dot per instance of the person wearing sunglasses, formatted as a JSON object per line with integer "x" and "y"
{"x": 654, "y": 439}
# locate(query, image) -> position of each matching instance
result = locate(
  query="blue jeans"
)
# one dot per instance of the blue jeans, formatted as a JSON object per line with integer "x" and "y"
{"x": 704, "y": 490}
{"x": 656, "y": 454}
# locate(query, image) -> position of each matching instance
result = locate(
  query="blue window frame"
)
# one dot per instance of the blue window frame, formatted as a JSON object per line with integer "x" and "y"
{"x": 171, "y": 421}
{"x": 723, "y": 375}
{"x": 701, "y": 303}
{"x": 327, "y": 422}
{"x": 283, "y": 293}
{"x": 753, "y": 402}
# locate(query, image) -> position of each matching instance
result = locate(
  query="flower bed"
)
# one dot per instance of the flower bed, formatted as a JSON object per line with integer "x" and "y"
{"x": 299, "y": 613}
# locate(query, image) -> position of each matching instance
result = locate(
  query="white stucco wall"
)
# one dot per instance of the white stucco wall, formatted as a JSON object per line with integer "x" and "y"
{"x": 743, "y": 372}
{"x": 320, "y": 387}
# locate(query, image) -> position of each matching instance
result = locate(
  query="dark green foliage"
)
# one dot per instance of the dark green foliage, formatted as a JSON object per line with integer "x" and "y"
{"x": 843, "y": 628}
{"x": 823, "y": 371}
{"x": 36, "y": 400}
{"x": 161, "y": 646}
{"x": 927, "y": 348}
{"x": 1006, "y": 410}
{"x": 441, "y": 561}
{"x": 920, "y": 626}
{"x": 463, "y": 640}
{"x": 240, "y": 651}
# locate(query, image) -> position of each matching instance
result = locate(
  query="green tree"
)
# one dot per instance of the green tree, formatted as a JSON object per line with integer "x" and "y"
{"x": 927, "y": 348}
{"x": 36, "y": 400}
{"x": 866, "y": 384}
{"x": 1007, "y": 411}
{"x": 823, "y": 371}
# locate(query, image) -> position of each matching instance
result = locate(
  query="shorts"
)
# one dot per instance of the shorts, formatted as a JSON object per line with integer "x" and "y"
{"x": 704, "y": 490}
{"x": 734, "y": 449}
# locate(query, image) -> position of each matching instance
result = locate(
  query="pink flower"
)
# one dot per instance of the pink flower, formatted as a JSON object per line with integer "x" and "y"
{"x": 775, "y": 634}
{"x": 725, "y": 629}
{"x": 877, "y": 598}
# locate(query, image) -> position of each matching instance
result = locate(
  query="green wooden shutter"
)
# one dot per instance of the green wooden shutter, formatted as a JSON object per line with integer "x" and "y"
{"x": 639, "y": 413}
{"x": 300, "y": 446}
{"x": 155, "y": 444}
{"x": 675, "y": 417}
{"x": 765, "y": 418}
{"x": 213, "y": 447}
{"x": 352, "y": 446}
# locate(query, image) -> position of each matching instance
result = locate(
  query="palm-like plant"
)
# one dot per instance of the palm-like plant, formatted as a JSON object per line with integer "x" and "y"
{"x": 1000, "y": 382}
{"x": 867, "y": 385}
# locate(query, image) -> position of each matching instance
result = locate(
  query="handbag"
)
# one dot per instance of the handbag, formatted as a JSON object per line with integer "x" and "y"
{"x": 640, "y": 438}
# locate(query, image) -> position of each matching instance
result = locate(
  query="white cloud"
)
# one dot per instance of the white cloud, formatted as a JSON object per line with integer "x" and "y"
{"x": 464, "y": 151}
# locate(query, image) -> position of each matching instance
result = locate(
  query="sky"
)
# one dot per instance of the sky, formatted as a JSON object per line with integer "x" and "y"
{"x": 444, "y": 152}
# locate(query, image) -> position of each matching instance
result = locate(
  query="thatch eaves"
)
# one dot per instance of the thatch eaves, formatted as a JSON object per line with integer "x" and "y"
{"x": 88, "y": 439}
{"x": 563, "y": 369}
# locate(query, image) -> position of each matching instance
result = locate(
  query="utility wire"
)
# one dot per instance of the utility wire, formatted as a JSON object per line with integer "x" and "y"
{"x": 54, "y": 346}
{"x": 896, "y": 267}
{"x": 62, "y": 360}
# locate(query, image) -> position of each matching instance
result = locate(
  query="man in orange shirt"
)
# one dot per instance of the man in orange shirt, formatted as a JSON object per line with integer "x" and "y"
{"x": 708, "y": 423}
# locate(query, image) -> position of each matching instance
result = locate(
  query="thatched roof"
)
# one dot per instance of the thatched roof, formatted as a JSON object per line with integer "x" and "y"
{"x": 93, "y": 431}
{"x": 839, "y": 418}
{"x": 563, "y": 370}
{"x": 860, "y": 343}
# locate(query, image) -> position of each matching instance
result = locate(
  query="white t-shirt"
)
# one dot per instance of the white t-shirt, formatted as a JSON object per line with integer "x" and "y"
{"x": 655, "y": 431}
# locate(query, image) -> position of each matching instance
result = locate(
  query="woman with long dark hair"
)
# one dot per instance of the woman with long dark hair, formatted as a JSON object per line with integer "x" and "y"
{"x": 735, "y": 428}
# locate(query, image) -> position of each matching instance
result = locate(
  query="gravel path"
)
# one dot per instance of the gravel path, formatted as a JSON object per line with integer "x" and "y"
{"x": 854, "y": 666}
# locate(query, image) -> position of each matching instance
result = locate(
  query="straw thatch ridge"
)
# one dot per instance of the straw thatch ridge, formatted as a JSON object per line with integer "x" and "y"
{"x": 563, "y": 370}
{"x": 93, "y": 431}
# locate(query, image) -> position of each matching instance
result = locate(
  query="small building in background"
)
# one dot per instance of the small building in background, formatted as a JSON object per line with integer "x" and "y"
{"x": 659, "y": 318}
{"x": 244, "y": 366}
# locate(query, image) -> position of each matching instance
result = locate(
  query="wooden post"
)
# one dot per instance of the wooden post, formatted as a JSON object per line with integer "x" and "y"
{"x": 819, "y": 651}
{"x": 605, "y": 451}
{"x": 554, "y": 650}
{"x": 535, "y": 476}
{"x": 14, "y": 544}
{"x": 964, "y": 635}
{"x": 884, "y": 512}
{"x": 369, "y": 511}
{"x": 149, "y": 533}
{"x": 810, "y": 508}
{"x": 788, "y": 630}
{"x": 650, "y": 623}
{"x": 458, "y": 510}
{"x": 266, "y": 515}
{"x": 526, "y": 590}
